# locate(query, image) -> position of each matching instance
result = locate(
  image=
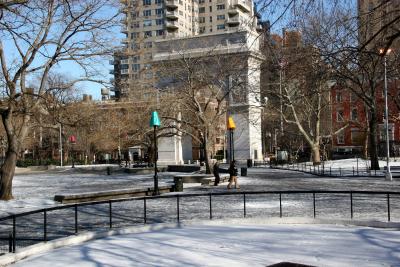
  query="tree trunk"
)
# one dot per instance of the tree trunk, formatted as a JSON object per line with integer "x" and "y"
{"x": 373, "y": 143}
{"x": 316, "y": 157}
{"x": 206, "y": 156}
{"x": 7, "y": 174}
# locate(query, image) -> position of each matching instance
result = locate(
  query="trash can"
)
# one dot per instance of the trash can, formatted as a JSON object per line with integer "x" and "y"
{"x": 178, "y": 184}
{"x": 243, "y": 171}
{"x": 249, "y": 163}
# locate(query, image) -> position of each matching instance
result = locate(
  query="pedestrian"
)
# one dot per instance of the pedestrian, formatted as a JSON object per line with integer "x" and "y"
{"x": 216, "y": 173}
{"x": 233, "y": 175}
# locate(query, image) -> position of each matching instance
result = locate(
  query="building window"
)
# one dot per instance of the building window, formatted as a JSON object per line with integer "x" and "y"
{"x": 159, "y": 32}
{"x": 135, "y": 58}
{"x": 382, "y": 132}
{"x": 340, "y": 137}
{"x": 210, "y": 8}
{"x": 339, "y": 97}
{"x": 147, "y": 34}
{"x": 147, "y": 23}
{"x": 353, "y": 97}
{"x": 356, "y": 137}
{"x": 136, "y": 67}
{"x": 220, "y": 17}
{"x": 135, "y": 46}
{"x": 159, "y": 22}
{"x": 147, "y": 12}
{"x": 134, "y": 35}
{"x": 146, "y": 2}
{"x": 221, "y": 27}
{"x": 148, "y": 56}
{"x": 202, "y": 10}
{"x": 148, "y": 45}
{"x": 202, "y": 29}
{"x": 339, "y": 115}
{"x": 136, "y": 25}
{"x": 159, "y": 11}
{"x": 159, "y": 2}
{"x": 220, "y": 7}
{"x": 354, "y": 114}
{"x": 202, "y": 20}
{"x": 210, "y": 18}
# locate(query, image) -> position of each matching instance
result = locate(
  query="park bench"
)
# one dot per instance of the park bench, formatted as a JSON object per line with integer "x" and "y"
{"x": 110, "y": 194}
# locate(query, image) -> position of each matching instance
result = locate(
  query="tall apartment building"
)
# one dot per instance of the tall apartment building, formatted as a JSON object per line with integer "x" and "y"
{"x": 147, "y": 21}
{"x": 380, "y": 18}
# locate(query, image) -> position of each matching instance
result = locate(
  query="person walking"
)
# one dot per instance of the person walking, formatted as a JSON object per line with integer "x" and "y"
{"x": 233, "y": 175}
{"x": 216, "y": 173}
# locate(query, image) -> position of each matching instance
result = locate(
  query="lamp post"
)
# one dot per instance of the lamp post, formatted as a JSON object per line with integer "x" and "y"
{"x": 72, "y": 141}
{"x": 231, "y": 127}
{"x": 61, "y": 147}
{"x": 388, "y": 174}
{"x": 155, "y": 122}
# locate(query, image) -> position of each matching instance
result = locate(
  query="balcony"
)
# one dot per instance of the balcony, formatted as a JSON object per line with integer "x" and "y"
{"x": 233, "y": 22}
{"x": 244, "y": 5}
{"x": 124, "y": 10}
{"x": 171, "y": 25}
{"x": 232, "y": 11}
{"x": 172, "y": 15}
{"x": 125, "y": 72}
{"x": 124, "y": 29}
{"x": 171, "y": 4}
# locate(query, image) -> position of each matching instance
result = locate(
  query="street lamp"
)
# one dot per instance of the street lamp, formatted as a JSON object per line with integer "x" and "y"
{"x": 155, "y": 122}
{"x": 231, "y": 127}
{"x": 388, "y": 174}
{"x": 72, "y": 141}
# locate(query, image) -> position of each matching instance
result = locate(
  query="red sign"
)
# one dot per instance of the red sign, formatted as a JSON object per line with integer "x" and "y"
{"x": 72, "y": 139}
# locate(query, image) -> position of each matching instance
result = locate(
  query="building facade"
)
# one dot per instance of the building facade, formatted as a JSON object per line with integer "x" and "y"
{"x": 146, "y": 21}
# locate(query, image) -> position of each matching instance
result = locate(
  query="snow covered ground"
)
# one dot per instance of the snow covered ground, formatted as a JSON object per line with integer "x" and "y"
{"x": 230, "y": 243}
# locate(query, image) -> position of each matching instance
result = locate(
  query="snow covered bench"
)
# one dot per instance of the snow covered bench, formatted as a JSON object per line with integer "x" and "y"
{"x": 111, "y": 194}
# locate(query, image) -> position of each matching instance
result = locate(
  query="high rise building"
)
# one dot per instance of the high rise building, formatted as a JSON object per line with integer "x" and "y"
{"x": 147, "y": 21}
{"x": 378, "y": 23}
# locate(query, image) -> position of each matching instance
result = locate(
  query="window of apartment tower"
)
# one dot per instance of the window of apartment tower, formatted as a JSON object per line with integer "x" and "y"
{"x": 354, "y": 114}
{"x": 220, "y": 17}
{"x": 147, "y": 12}
{"x": 159, "y": 32}
{"x": 159, "y": 12}
{"x": 221, "y": 27}
{"x": 340, "y": 137}
{"x": 339, "y": 97}
{"x": 159, "y": 21}
{"x": 202, "y": 9}
{"x": 220, "y": 7}
{"x": 147, "y": 23}
{"x": 201, "y": 1}
{"x": 202, "y": 20}
{"x": 210, "y": 18}
{"x": 147, "y": 34}
{"x": 210, "y": 8}
{"x": 340, "y": 115}
{"x": 159, "y": 2}
{"x": 146, "y": 2}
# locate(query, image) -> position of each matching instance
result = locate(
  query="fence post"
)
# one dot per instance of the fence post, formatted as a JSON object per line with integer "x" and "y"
{"x": 244, "y": 205}
{"x": 45, "y": 225}
{"x": 353, "y": 170}
{"x": 110, "y": 212}
{"x": 210, "y": 208}
{"x": 10, "y": 242}
{"x": 388, "y": 206}
{"x": 76, "y": 218}
{"x": 177, "y": 207}
{"x": 351, "y": 204}
{"x": 280, "y": 205}
{"x": 14, "y": 233}
{"x": 330, "y": 170}
{"x": 144, "y": 211}
{"x": 314, "y": 203}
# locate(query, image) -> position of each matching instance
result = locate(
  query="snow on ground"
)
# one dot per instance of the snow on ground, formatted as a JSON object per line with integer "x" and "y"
{"x": 234, "y": 244}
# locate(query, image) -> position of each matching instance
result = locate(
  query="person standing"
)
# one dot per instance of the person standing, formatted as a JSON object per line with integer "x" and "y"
{"x": 233, "y": 175}
{"x": 216, "y": 173}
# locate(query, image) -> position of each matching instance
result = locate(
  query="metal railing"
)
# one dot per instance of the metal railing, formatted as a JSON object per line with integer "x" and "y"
{"x": 28, "y": 228}
{"x": 322, "y": 170}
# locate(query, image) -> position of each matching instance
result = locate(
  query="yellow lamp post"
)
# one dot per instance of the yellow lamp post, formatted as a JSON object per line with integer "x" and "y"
{"x": 231, "y": 127}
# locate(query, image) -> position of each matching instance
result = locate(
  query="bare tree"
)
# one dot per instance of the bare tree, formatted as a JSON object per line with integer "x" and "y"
{"x": 44, "y": 35}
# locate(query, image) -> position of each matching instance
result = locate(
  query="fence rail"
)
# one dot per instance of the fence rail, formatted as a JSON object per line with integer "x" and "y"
{"x": 322, "y": 170}
{"x": 28, "y": 228}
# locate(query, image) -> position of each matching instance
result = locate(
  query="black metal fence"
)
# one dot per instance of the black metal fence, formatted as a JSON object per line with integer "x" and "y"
{"x": 323, "y": 170}
{"x": 28, "y": 228}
